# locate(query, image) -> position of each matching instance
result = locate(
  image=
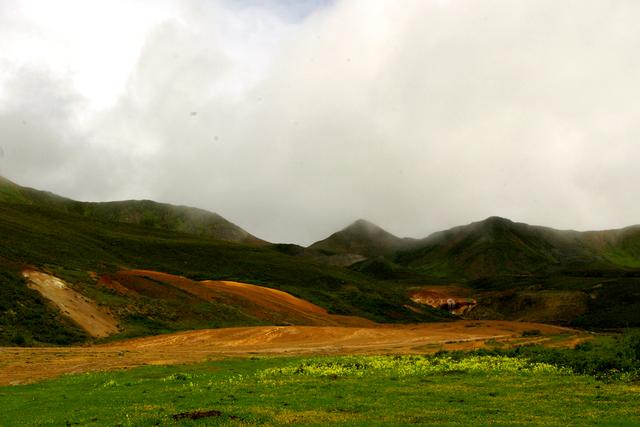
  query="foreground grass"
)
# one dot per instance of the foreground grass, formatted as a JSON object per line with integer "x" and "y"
{"x": 375, "y": 390}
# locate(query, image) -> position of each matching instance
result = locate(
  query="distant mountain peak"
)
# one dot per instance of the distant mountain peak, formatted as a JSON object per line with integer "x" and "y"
{"x": 494, "y": 223}
{"x": 497, "y": 219}
{"x": 364, "y": 238}
{"x": 362, "y": 221}
{"x": 364, "y": 226}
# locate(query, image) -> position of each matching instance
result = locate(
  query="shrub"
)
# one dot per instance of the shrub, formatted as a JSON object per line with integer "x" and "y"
{"x": 607, "y": 358}
{"x": 19, "y": 340}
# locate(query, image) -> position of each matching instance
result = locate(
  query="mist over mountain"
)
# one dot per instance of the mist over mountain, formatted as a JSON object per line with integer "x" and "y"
{"x": 498, "y": 246}
{"x": 140, "y": 212}
{"x": 363, "y": 238}
{"x": 416, "y": 115}
{"x": 493, "y": 247}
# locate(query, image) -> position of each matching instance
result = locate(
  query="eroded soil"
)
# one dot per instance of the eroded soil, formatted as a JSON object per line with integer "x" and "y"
{"x": 96, "y": 321}
{"x": 456, "y": 299}
{"x": 24, "y": 365}
{"x": 270, "y": 305}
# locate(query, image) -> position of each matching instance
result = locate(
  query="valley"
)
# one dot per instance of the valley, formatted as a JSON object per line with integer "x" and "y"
{"x": 136, "y": 302}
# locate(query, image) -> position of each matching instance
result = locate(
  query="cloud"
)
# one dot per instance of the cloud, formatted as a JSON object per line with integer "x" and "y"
{"x": 417, "y": 115}
{"x": 45, "y": 145}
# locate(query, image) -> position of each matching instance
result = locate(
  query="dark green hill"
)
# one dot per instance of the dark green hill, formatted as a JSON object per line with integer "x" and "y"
{"x": 498, "y": 246}
{"x": 141, "y": 212}
{"x": 522, "y": 272}
{"x": 363, "y": 238}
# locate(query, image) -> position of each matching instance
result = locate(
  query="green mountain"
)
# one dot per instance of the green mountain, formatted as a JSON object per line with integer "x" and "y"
{"x": 517, "y": 271}
{"x": 140, "y": 212}
{"x": 498, "y": 246}
{"x": 363, "y": 238}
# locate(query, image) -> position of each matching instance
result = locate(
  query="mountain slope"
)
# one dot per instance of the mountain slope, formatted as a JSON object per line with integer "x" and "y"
{"x": 76, "y": 248}
{"x": 363, "y": 238}
{"x": 498, "y": 246}
{"x": 140, "y": 212}
{"x": 511, "y": 268}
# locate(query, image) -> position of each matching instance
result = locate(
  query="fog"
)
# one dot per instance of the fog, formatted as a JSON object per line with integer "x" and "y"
{"x": 292, "y": 119}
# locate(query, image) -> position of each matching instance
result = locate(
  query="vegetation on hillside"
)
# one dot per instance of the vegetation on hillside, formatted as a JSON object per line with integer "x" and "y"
{"x": 498, "y": 247}
{"x": 516, "y": 271}
{"x": 494, "y": 247}
{"x": 141, "y": 212}
{"x": 70, "y": 246}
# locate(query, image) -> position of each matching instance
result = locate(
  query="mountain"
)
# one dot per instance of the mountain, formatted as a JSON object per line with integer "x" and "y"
{"x": 508, "y": 270}
{"x": 93, "y": 257}
{"x": 517, "y": 271}
{"x": 363, "y": 238}
{"x": 498, "y": 246}
{"x": 140, "y": 212}
{"x": 512, "y": 270}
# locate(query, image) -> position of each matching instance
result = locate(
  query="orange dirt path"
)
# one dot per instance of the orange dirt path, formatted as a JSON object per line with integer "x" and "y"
{"x": 24, "y": 365}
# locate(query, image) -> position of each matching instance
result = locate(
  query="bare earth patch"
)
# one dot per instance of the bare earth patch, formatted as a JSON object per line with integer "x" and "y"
{"x": 264, "y": 303}
{"x": 24, "y": 365}
{"x": 456, "y": 299}
{"x": 86, "y": 313}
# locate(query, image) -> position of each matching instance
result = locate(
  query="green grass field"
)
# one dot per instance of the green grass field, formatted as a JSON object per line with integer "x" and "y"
{"x": 363, "y": 390}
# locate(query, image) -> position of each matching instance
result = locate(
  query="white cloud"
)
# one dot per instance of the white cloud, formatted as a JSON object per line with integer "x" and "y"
{"x": 417, "y": 115}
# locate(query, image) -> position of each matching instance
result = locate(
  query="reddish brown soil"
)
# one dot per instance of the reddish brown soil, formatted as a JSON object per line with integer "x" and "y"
{"x": 23, "y": 365}
{"x": 108, "y": 283}
{"x": 264, "y": 303}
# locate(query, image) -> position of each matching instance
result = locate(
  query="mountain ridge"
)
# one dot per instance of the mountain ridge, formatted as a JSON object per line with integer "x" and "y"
{"x": 492, "y": 247}
{"x": 147, "y": 213}
{"x": 363, "y": 238}
{"x": 498, "y": 246}
{"x": 513, "y": 270}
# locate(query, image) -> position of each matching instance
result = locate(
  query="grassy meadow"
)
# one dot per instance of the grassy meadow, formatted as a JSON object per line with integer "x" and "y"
{"x": 348, "y": 390}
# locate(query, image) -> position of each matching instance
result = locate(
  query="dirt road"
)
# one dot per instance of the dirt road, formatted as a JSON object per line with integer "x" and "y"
{"x": 24, "y": 365}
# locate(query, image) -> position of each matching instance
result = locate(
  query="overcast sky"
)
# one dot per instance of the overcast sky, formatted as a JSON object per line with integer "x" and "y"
{"x": 294, "y": 118}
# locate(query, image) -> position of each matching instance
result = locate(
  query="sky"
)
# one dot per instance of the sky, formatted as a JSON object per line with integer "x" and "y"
{"x": 294, "y": 118}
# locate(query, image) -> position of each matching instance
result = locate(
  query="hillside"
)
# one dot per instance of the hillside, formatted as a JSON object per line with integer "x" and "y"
{"x": 77, "y": 249}
{"x": 498, "y": 246}
{"x": 515, "y": 271}
{"x": 140, "y": 212}
{"x": 491, "y": 269}
{"x": 363, "y": 238}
